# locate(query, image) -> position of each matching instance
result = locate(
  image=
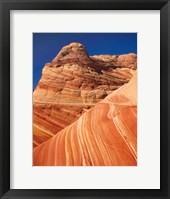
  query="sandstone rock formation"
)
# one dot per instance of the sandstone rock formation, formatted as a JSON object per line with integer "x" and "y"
{"x": 106, "y": 135}
{"x": 72, "y": 84}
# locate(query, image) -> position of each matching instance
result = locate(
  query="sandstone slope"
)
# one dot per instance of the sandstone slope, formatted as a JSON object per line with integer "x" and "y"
{"x": 73, "y": 83}
{"x": 106, "y": 135}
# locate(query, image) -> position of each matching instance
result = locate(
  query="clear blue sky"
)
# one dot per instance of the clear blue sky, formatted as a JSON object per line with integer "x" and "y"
{"x": 47, "y": 45}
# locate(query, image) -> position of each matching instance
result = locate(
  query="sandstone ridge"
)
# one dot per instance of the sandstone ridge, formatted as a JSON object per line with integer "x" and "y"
{"x": 72, "y": 84}
{"x": 106, "y": 135}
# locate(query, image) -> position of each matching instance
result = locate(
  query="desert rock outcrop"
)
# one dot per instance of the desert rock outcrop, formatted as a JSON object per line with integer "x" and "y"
{"x": 72, "y": 84}
{"x": 106, "y": 135}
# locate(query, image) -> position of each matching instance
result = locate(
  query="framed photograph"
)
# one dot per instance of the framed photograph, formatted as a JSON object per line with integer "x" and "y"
{"x": 84, "y": 99}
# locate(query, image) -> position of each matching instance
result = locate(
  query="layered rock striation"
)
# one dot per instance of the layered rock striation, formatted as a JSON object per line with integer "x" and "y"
{"x": 72, "y": 84}
{"x": 106, "y": 135}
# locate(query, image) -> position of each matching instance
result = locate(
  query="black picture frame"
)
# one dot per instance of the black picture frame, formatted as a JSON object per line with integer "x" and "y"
{"x": 5, "y": 7}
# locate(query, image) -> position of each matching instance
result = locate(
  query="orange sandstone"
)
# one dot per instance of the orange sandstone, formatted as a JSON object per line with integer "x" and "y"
{"x": 72, "y": 84}
{"x": 106, "y": 135}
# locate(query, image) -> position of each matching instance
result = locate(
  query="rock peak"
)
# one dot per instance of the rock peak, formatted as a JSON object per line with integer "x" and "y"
{"x": 75, "y": 44}
{"x": 72, "y": 51}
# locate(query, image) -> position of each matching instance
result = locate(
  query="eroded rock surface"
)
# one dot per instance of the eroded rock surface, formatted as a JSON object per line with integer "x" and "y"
{"x": 72, "y": 84}
{"x": 106, "y": 135}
